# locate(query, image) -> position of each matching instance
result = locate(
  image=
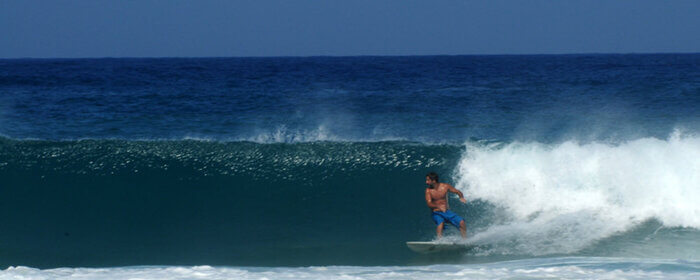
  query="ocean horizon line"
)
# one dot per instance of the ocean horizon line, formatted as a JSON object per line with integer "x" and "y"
{"x": 355, "y": 56}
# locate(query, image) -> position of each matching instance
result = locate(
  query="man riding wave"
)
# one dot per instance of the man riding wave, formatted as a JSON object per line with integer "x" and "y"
{"x": 436, "y": 198}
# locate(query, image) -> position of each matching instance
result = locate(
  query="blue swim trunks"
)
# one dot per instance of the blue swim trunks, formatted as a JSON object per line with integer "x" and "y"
{"x": 440, "y": 217}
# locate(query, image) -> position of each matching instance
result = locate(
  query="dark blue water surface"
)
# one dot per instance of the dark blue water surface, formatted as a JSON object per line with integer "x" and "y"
{"x": 295, "y": 161}
{"x": 433, "y": 99}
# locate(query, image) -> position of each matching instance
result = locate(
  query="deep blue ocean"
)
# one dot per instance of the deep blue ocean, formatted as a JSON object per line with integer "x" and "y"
{"x": 573, "y": 166}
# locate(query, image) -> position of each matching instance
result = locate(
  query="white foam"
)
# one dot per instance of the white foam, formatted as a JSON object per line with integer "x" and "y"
{"x": 565, "y": 268}
{"x": 562, "y": 198}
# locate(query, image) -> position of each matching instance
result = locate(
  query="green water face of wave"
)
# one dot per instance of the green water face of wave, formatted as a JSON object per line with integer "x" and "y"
{"x": 108, "y": 202}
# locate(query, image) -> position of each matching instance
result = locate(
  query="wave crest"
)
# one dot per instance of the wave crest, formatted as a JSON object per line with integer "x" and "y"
{"x": 565, "y": 197}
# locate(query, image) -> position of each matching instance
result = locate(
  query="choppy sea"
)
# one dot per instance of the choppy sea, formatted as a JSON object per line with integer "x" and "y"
{"x": 573, "y": 166}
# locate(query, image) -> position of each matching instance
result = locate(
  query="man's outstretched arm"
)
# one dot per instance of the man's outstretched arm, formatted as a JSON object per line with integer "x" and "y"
{"x": 454, "y": 190}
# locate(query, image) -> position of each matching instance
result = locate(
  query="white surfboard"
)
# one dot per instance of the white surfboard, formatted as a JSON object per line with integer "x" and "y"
{"x": 426, "y": 247}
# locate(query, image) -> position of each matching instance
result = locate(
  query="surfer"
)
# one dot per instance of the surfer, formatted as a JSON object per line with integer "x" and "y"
{"x": 436, "y": 197}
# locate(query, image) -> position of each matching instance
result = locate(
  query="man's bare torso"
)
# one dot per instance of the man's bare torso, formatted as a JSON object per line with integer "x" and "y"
{"x": 439, "y": 196}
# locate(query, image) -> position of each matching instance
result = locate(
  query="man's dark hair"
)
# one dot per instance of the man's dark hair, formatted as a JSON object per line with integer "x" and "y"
{"x": 433, "y": 176}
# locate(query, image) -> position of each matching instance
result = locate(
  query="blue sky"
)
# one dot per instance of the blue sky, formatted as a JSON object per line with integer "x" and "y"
{"x": 145, "y": 28}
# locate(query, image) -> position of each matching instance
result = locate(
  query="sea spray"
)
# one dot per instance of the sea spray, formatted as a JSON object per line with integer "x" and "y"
{"x": 561, "y": 198}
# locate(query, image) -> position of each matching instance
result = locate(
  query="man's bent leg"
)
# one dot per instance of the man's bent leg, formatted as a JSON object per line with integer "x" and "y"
{"x": 463, "y": 229}
{"x": 439, "y": 229}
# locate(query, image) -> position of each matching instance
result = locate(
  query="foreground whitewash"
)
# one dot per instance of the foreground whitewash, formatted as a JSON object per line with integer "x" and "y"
{"x": 550, "y": 268}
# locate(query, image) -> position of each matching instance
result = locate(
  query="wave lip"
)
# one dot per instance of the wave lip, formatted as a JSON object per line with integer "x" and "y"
{"x": 565, "y": 197}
